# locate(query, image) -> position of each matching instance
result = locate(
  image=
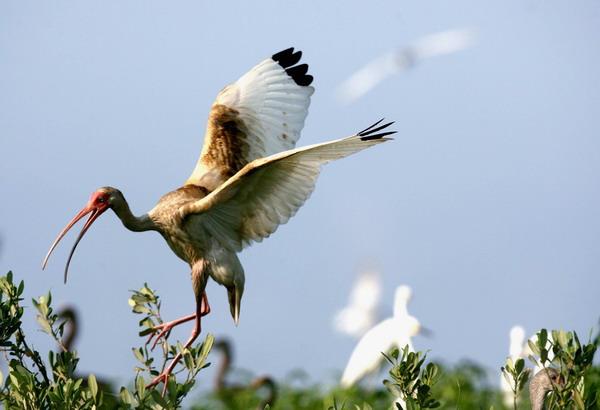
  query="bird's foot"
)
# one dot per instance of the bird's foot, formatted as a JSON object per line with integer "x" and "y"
{"x": 164, "y": 329}
{"x": 164, "y": 376}
{"x": 161, "y": 378}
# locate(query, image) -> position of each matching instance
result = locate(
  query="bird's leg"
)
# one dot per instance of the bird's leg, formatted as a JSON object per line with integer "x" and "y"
{"x": 164, "y": 329}
{"x": 200, "y": 311}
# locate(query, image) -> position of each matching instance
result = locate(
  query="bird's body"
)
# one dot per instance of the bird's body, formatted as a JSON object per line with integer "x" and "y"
{"x": 249, "y": 179}
{"x": 396, "y": 331}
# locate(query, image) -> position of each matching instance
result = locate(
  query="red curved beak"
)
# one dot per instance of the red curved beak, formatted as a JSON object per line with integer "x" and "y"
{"x": 96, "y": 209}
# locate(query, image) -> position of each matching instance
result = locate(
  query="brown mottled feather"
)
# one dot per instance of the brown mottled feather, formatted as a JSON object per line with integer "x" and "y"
{"x": 228, "y": 146}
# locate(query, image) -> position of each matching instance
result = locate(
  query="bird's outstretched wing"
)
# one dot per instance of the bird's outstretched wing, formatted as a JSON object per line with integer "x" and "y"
{"x": 267, "y": 192}
{"x": 259, "y": 115}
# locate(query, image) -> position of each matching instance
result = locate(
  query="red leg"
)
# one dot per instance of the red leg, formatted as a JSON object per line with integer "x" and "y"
{"x": 164, "y": 376}
{"x": 165, "y": 328}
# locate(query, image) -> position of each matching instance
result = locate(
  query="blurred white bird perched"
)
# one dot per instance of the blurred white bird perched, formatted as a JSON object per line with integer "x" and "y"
{"x": 361, "y": 313}
{"x": 365, "y": 79}
{"x": 396, "y": 331}
{"x": 518, "y": 348}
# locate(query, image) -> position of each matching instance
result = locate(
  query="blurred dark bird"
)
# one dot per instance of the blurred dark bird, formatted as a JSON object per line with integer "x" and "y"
{"x": 223, "y": 388}
{"x": 72, "y": 329}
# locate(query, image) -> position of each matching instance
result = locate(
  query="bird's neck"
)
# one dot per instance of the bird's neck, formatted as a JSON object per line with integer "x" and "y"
{"x": 132, "y": 222}
{"x": 538, "y": 398}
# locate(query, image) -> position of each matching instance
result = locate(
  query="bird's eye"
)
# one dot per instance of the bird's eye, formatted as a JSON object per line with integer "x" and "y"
{"x": 101, "y": 199}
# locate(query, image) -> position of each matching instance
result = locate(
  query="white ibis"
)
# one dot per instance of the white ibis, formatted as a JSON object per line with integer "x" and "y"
{"x": 377, "y": 70}
{"x": 541, "y": 384}
{"x": 360, "y": 314}
{"x": 248, "y": 181}
{"x": 396, "y": 331}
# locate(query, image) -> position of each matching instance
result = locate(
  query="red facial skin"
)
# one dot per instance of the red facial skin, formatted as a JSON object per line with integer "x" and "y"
{"x": 98, "y": 203}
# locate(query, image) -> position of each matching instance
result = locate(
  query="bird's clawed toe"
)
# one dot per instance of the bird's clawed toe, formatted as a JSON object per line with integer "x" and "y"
{"x": 162, "y": 330}
{"x": 161, "y": 378}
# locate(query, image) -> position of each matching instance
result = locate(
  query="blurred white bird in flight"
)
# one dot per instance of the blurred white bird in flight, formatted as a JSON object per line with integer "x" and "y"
{"x": 361, "y": 312}
{"x": 396, "y": 331}
{"x": 365, "y": 79}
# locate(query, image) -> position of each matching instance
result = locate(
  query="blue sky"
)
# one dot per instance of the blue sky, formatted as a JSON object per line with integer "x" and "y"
{"x": 486, "y": 204}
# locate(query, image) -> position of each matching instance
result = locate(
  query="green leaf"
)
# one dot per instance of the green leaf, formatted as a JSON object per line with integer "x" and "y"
{"x": 562, "y": 339}
{"x": 519, "y": 365}
{"x": 140, "y": 385}
{"x": 138, "y": 355}
{"x": 542, "y": 338}
{"x": 544, "y": 355}
{"x": 159, "y": 399}
{"x": 187, "y": 360}
{"x": 207, "y": 345}
{"x": 392, "y": 388}
{"x": 508, "y": 378}
{"x": 44, "y": 324}
{"x": 140, "y": 309}
{"x": 125, "y": 396}
{"x": 578, "y": 399}
{"x": 509, "y": 364}
{"x": 93, "y": 385}
{"x": 139, "y": 299}
{"x": 533, "y": 347}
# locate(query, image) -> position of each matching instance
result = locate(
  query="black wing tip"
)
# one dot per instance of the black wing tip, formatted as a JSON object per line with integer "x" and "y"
{"x": 287, "y": 59}
{"x": 371, "y": 133}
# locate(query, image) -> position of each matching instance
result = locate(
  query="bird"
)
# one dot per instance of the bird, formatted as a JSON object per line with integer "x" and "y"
{"x": 71, "y": 325}
{"x": 396, "y": 331}
{"x": 249, "y": 179}
{"x": 518, "y": 348}
{"x": 541, "y": 384}
{"x": 360, "y": 314}
{"x": 365, "y": 79}
{"x": 224, "y": 389}
{"x": 71, "y": 317}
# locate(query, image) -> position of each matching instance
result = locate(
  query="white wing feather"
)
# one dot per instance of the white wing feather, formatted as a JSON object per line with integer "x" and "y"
{"x": 273, "y": 106}
{"x": 259, "y": 115}
{"x": 265, "y": 193}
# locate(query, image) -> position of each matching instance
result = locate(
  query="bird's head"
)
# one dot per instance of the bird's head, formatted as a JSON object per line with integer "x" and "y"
{"x": 99, "y": 202}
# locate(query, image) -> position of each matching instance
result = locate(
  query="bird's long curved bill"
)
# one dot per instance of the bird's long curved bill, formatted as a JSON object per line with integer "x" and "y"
{"x": 95, "y": 213}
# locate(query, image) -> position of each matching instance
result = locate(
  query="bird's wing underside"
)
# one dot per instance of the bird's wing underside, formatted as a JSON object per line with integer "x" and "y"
{"x": 259, "y": 115}
{"x": 267, "y": 192}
